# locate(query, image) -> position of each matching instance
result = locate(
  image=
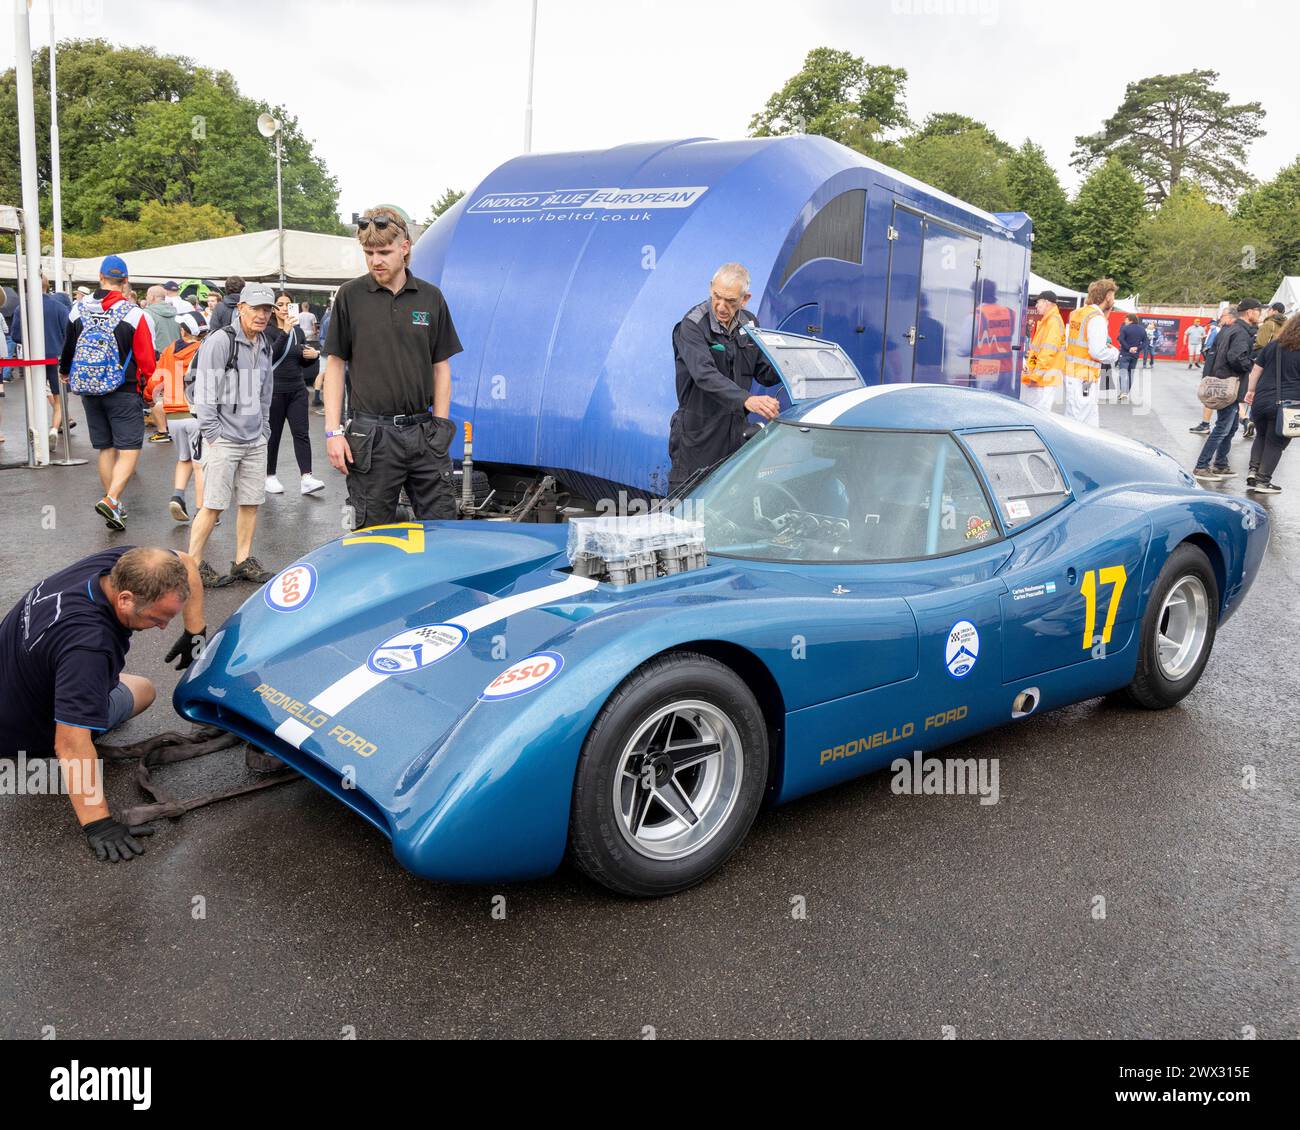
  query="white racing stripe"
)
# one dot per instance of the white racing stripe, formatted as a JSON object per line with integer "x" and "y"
{"x": 345, "y": 691}
{"x": 293, "y": 732}
{"x": 834, "y": 408}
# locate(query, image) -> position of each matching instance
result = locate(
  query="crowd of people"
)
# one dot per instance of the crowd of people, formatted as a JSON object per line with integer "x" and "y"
{"x": 131, "y": 359}
{"x": 1257, "y": 354}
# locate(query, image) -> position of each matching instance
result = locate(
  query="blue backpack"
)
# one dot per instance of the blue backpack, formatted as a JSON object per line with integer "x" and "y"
{"x": 97, "y": 367}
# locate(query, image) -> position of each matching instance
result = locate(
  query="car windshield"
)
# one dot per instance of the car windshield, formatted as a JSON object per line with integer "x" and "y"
{"x": 801, "y": 493}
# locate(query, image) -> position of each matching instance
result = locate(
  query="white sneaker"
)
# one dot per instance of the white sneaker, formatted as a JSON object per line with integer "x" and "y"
{"x": 311, "y": 484}
{"x": 54, "y": 436}
{"x": 273, "y": 485}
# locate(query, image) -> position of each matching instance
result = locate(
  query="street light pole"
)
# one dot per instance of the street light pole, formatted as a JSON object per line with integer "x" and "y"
{"x": 33, "y": 315}
{"x": 268, "y": 125}
{"x": 279, "y": 202}
{"x": 528, "y": 108}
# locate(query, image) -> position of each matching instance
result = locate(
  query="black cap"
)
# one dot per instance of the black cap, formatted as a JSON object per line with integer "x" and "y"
{"x": 1279, "y": 307}
{"x": 1050, "y": 295}
{"x": 1249, "y": 304}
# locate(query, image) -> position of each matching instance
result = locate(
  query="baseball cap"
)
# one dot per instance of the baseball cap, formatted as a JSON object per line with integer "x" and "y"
{"x": 113, "y": 267}
{"x": 1050, "y": 295}
{"x": 1249, "y": 304}
{"x": 257, "y": 294}
{"x": 1279, "y": 307}
{"x": 195, "y": 322}
{"x": 171, "y": 284}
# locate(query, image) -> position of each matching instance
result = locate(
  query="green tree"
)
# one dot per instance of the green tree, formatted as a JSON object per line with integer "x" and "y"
{"x": 1034, "y": 189}
{"x": 951, "y": 124}
{"x": 1194, "y": 250}
{"x": 445, "y": 201}
{"x": 1175, "y": 127}
{"x": 1107, "y": 239}
{"x": 966, "y": 165}
{"x": 159, "y": 225}
{"x": 1273, "y": 209}
{"x": 837, "y": 95}
{"x": 136, "y": 126}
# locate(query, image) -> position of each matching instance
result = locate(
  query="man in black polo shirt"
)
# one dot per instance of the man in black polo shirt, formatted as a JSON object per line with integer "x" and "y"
{"x": 396, "y": 334}
{"x": 62, "y": 650}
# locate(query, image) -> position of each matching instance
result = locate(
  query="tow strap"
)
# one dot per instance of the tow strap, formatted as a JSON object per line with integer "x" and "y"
{"x": 169, "y": 748}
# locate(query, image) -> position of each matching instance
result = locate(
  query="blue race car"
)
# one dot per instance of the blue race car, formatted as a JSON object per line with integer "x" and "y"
{"x": 880, "y": 571}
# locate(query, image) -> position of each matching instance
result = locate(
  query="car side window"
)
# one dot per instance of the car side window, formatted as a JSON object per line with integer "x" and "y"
{"x": 1026, "y": 480}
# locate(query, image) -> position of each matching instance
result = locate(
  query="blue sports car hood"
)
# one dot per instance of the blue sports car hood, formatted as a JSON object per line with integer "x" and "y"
{"x": 333, "y": 656}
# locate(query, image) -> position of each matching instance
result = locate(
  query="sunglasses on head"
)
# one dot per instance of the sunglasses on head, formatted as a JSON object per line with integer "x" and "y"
{"x": 382, "y": 223}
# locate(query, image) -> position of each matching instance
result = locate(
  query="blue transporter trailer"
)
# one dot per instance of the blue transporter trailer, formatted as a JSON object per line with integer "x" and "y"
{"x": 566, "y": 273}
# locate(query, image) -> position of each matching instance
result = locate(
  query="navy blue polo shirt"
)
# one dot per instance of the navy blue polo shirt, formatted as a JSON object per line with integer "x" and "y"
{"x": 62, "y": 650}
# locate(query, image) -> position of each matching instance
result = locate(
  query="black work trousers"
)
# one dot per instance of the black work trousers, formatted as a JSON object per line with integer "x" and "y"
{"x": 386, "y": 458}
{"x": 291, "y": 405}
{"x": 1266, "y": 450}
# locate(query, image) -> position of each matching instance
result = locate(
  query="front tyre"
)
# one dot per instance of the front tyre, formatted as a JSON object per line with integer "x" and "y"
{"x": 1177, "y": 630}
{"x": 671, "y": 777}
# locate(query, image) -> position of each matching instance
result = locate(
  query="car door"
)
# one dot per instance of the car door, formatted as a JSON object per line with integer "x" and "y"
{"x": 919, "y": 526}
{"x": 1074, "y": 579}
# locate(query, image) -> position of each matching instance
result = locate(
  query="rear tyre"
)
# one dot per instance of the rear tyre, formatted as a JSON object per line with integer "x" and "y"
{"x": 671, "y": 777}
{"x": 1177, "y": 630}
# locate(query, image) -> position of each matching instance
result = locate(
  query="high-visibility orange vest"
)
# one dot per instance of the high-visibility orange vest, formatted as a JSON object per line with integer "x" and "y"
{"x": 991, "y": 356}
{"x": 1046, "y": 361}
{"x": 170, "y": 373}
{"x": 1079, "y": 362}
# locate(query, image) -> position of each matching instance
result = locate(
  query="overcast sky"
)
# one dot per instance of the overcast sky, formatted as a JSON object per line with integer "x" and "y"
{"x": 403, "y": 98}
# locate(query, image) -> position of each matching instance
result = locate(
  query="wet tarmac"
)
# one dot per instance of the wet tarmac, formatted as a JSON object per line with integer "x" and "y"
{"x": 285, "y": 915}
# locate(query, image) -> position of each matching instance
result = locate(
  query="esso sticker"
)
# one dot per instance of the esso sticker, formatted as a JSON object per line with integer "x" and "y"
{"x": 291, "y": 589}
{"x": 524, "y": 676}
{"x": 416, "y": 648}
{"x": 962, "y": 650}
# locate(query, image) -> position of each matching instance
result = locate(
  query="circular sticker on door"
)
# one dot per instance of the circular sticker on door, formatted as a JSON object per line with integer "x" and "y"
{"x": 416, "y": 648}
{"x": 524, "y": 676}
{"x": 962, "y": 650}
{"x": 290, "y": 589}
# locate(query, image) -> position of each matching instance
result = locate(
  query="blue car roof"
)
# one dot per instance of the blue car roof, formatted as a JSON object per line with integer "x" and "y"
{"x": 908, "y": 407}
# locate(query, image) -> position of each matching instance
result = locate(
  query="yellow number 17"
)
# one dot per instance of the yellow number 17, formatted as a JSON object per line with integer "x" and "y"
{"x": 1112, "y": 575}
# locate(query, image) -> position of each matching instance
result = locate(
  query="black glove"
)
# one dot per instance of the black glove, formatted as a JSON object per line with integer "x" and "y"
{"x": 185, "y": 650}
{"x": 113, "y": 842}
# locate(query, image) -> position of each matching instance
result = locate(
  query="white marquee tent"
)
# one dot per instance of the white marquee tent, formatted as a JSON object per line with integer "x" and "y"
{"x": 1288, "y": 294}
{"x": 310, "y": 260}
{"x": 1038, "y": 284}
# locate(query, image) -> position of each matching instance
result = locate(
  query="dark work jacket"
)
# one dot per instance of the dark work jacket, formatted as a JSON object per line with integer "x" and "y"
{"x": 1130, "y": 334}
{"x": 223, "y": 312}
{"x": 289, "y": 373}
{"x": 1234, "y": 350}
{"x": 715, "y": 376}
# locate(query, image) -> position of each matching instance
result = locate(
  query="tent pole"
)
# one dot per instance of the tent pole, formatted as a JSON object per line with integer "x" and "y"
{"x": 33, "y": 316}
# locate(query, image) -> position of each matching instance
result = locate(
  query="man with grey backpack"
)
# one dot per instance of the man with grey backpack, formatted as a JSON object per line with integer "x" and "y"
{"x": 232, "y": 390}
{"x": 107, "y": 358}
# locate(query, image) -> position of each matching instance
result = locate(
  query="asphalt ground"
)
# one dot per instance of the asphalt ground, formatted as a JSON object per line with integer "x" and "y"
{"x": 285, "y": 915}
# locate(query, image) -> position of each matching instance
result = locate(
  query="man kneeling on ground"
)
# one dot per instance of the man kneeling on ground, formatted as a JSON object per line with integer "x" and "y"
{"x": 62, "y": 650}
